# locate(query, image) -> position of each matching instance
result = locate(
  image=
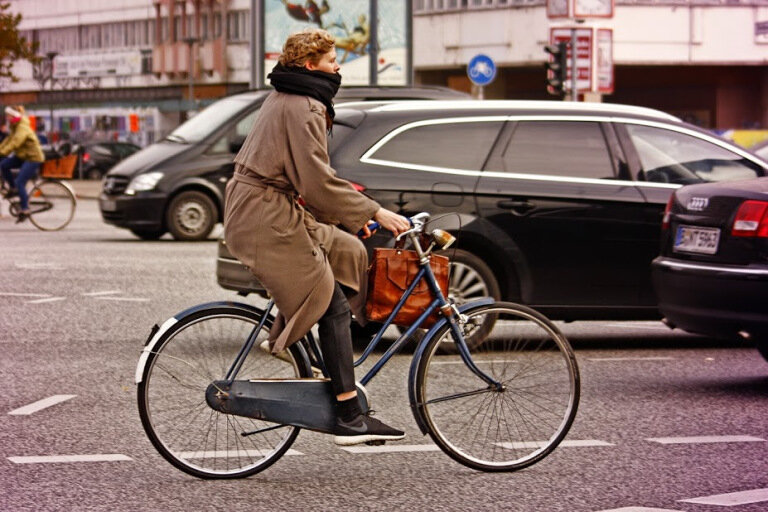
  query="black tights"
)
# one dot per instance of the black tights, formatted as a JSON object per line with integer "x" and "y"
{"x": 336, "y": 343}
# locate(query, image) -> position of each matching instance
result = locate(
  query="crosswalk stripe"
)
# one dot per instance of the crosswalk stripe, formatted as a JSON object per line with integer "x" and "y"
{"x": 220, "y": 454}
{"x": 569, "y": 443}
{"x": 392, "y": 448}
{"x": 40, "y": 405}
{"x": 705, "y": 439}
{"x": 732, "y": 498}
{"x": 49, "y": 299}
{"x": 96, "y": 294}
{"x": 43, "y": 459}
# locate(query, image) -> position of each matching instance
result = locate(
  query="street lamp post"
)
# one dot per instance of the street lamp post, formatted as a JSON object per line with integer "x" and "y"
{"x": 51, "y": 56}
{"x": 191, "y": 71}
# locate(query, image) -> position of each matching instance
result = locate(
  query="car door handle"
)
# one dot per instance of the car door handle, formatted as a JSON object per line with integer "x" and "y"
{"x": 517, "y": 205}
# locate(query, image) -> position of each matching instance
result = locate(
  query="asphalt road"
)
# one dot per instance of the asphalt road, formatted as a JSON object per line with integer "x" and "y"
{"x": 668, "y": 421}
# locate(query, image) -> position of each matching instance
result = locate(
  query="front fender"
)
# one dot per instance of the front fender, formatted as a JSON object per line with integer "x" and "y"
{"x": 157, "y": 333}
{"x": 417, "y": 408}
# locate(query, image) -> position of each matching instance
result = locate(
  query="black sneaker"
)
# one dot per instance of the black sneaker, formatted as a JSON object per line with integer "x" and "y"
{"x": 364, "y": 429}
{"x": 11, "y": 192}
{"x": 22, "y": 217}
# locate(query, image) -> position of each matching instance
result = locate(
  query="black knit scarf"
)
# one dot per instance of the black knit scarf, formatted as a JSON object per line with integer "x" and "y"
{"x": 299, "y": 80}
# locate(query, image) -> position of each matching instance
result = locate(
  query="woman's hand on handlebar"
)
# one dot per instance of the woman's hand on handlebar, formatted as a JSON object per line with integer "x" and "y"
{"x": 391, "y": 221}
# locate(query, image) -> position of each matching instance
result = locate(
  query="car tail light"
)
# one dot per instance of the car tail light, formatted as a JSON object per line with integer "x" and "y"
{"x": 357, "y": 186}
{"x": 665, "y": 219}
{"x": 751, "y": 219}
{"x": 86, "y": 157}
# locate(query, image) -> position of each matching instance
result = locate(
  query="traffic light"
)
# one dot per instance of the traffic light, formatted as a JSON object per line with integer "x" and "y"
{"x": 557, "y": 68}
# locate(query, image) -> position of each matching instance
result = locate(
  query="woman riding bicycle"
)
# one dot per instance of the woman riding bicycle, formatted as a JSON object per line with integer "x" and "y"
{"x": 282, "y": 208}
{"x": 27, "y": 157}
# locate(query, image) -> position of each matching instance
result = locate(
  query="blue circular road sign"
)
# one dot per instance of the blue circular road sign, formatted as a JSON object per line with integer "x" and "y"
{"x": 481, "y": 69}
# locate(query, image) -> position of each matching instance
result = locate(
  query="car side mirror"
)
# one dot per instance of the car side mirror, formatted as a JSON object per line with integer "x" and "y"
{"x": 236, "y": 143}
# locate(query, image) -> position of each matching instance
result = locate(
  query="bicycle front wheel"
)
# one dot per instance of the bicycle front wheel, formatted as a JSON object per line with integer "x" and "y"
{"x": 192, "y": 436}
{"x": 51, "y": 205}
{"x": 505, "y": 429}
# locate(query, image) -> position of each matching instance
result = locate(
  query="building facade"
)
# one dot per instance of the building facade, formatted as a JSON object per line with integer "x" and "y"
{"x": 133, "y": 69}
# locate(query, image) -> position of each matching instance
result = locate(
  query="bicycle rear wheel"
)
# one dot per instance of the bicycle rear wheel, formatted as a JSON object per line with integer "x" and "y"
{"x": 51, "y": 205}
{"x": 188, "y": 433}
{"x": 511, "y": 428}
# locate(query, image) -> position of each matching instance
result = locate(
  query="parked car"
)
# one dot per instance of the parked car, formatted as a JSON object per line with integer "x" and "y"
{"x": 96, "y": 158}
{"x": 557, "y": 205}
{"x": 177, "y": 184}
{"x": 712, "y": 275}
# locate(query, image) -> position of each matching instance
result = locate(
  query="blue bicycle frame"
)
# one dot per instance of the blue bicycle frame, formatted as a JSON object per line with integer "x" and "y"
{"x": 440, "y": 302}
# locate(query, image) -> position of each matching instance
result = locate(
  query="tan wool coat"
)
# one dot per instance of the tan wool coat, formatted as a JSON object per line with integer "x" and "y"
{"x": 296, "y": 251}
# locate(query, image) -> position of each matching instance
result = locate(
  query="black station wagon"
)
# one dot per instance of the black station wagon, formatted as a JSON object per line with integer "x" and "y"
{"x": 555, "y": 205}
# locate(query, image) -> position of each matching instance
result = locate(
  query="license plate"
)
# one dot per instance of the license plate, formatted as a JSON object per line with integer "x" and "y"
{"x": 699, "y": 240}
{"x": 108, "y": 205}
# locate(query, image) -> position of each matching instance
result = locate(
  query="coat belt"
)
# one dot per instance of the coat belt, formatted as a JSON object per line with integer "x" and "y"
{"x": 258, "y": 183}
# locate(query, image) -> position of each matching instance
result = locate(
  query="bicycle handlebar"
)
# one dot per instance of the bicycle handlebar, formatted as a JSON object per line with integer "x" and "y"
{"x": 417, "y": 221}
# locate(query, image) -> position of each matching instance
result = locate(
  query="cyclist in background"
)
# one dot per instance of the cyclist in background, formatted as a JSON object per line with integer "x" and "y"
{"x": 27, "y": 157}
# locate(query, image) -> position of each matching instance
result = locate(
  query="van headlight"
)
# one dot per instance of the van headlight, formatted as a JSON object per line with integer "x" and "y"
{"x": 143, "y": 182}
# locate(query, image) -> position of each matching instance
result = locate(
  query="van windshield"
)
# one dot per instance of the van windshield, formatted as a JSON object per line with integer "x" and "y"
{"x": 212, "y": 117}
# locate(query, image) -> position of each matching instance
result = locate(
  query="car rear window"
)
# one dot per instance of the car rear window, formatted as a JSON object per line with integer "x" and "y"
{"x": 668, "y": 156}
{"x": 455, "y": 145}
{"x": 559, "y": 148}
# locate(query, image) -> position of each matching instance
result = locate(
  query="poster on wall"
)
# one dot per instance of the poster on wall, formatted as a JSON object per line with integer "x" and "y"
{"x": 348, "y": 21}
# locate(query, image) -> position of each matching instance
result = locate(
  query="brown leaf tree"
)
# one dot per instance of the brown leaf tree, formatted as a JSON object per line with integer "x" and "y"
{"x": 13, "y": 47}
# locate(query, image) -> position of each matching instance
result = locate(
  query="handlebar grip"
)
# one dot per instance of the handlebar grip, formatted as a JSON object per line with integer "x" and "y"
{"x": 373, "y": 227}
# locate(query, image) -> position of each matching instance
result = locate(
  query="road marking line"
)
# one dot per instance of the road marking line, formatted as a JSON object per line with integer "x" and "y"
{"x": 394, "y": 448}
{"x": 651, "y": 358}
{"x": 126, "y": 299}
{"x": 47, "y": 459}
{"x": 96, "y": 294}
{"x": 732, "y": 498}
{"x": 39, "y": 266}
{"x": 12, "y": 294}
{"x": 220, "y": 454}
{"x": 640, "y": 509}
{"x": 570, "y": 443}
{"x": 43, "y": 301}
{"x": 705, "y": 439}
{"x": 40, "y": 405}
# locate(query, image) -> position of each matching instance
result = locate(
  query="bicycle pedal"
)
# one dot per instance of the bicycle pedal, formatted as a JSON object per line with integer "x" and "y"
{"x": 377, "y": 442}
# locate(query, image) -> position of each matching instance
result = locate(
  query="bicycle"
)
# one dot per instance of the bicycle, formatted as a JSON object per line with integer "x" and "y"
{"x": 216, "y": 408}
{"x": 51, "y": 203}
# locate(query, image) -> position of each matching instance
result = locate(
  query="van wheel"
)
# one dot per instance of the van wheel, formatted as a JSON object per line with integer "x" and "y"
{"x": 191, "y": 216}
{"x": 470, "y": 278}
{"x": 148, "y": 234}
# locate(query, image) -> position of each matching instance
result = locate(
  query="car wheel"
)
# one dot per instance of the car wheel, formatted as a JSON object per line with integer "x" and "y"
{"x": 148, "y": 234}
{"x": 470, "y": 278}
{"x": 191, "y": 216}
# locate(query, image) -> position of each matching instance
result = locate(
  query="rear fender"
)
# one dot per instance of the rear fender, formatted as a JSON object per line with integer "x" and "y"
{"x": 417, "y": 408}
{"x": 158, "y": 333}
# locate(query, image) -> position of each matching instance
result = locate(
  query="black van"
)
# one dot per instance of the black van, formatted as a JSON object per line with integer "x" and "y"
{"x": 177, "y": 184}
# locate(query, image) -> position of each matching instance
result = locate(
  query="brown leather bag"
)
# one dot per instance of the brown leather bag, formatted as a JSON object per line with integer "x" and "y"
{"x": 390, "y": 274}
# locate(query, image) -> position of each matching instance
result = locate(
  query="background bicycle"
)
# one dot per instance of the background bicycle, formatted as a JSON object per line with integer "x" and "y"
{"x": 215, "y": 405}
{"x": 52, "y": 203}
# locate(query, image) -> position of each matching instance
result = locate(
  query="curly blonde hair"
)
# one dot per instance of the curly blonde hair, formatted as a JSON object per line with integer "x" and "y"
{"x": 307, "y": 45}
